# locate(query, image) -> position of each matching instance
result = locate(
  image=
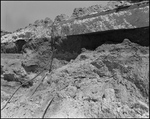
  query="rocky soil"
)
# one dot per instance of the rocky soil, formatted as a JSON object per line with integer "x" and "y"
{"x": 114, "y": 16}
{"x": 3, "y": 32}
{"x": 100, "y": 66}
{"x": 112, "y": 81}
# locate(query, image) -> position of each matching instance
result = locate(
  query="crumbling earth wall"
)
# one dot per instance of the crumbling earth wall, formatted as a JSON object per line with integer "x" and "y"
{"x": 112, "y": 81}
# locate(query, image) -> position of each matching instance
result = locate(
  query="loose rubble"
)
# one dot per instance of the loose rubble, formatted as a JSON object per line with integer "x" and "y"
{"x": 100, "y": 65}
{"x": 110, "y": 82}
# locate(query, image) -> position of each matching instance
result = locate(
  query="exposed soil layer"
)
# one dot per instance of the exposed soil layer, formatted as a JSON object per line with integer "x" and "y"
{"x": 91, "y": 41}
{"x": 112, "y": 81}
{"x": 96, "y": 71}
{"x": 39, "y": 50}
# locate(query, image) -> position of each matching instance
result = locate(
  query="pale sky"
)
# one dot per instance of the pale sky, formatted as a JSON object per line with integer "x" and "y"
{"x": 19, "y": 14}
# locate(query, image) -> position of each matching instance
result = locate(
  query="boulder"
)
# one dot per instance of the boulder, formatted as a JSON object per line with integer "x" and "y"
{"x": 79, "y": 12}
{"x": 61, "y": 17}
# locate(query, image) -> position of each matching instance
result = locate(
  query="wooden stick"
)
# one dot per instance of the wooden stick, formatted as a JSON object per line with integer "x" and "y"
{"x": 19, "y": 88}
{"x": 49, "y": 103}
{"x": 38, "y": 85}
{"x": 28, "y": 81}
{"x": 52, "y": 45}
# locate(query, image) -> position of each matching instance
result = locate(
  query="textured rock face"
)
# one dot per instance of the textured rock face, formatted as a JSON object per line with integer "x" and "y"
{"x": 119, "y": 15}
{"x": 133, "y": 16}
{"x": 8, "y": 48}
{"x": 39, "y": 57}
{"x": 116, "y": 15}
{"x": 37, "y": 54}
{"x": 104, "y": 83}
{"x": 129, "y": 21}
{"x": 4, "y": 33}
{"x": 38, "y": 29}
{"x": 96, "y": 72}
{"x": 71, "y": 46}
{"x": 11, "y": 71}
{"x": 91, "y": 41}
{"x": 61, "y": 18}
{"x": 20, "y": 37}
{"x": 112, "y": 81}
{"x": 46, "y": 22}
{"x": 80, "y": 12}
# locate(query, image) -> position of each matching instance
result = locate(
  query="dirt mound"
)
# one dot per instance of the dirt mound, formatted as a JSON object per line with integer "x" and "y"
{"x": 12, "y": 71}
{"x": 37, "y": 54}
{"x": 111, "y": 81}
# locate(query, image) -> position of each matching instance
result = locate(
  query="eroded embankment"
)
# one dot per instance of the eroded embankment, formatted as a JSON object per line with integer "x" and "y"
{"x": 38, "y": 51}
{"x": 91, "y": 41}
{"x": 111, "y": 81}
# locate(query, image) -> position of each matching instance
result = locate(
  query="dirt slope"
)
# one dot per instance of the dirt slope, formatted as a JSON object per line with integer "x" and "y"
{"x": 111, "y": 81}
